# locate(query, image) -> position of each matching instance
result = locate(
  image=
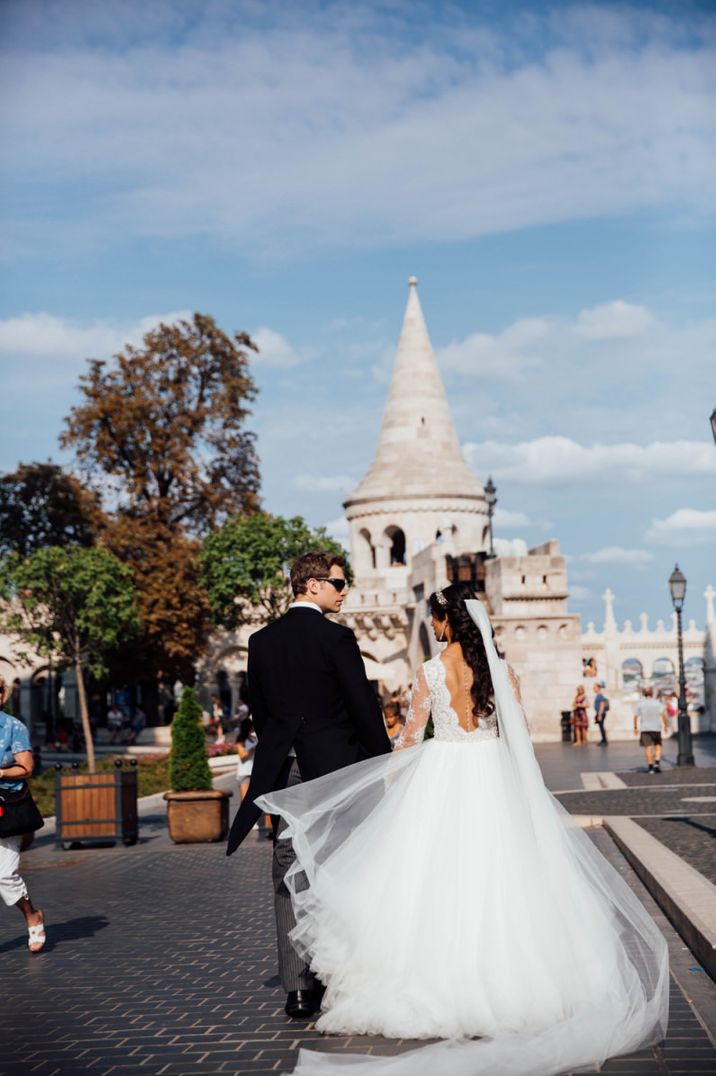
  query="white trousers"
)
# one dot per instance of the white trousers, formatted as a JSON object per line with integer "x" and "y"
{"x": 12, "y": 887}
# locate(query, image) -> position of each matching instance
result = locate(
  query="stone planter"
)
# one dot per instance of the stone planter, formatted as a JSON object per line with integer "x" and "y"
{"x": 196, "y": 817}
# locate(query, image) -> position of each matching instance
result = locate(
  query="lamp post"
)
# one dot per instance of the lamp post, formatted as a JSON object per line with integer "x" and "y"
{"x": 677, "y": 588}
{"x": 491, "y": 498}
{"x": 713, "y": 423}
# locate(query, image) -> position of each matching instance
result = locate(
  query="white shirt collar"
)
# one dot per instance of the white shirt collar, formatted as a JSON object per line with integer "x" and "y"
{"x": 306, "y": 605}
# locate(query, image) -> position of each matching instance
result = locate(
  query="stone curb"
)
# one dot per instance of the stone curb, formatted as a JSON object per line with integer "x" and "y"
{"x": 687, "y": 898}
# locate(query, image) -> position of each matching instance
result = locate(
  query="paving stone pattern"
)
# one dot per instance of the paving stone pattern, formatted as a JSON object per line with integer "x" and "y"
{"x": 161, "y": 960}
{"x": 673, "y": 775}
{"x": 692, "y": 838}
{"x": 653, "y": 799}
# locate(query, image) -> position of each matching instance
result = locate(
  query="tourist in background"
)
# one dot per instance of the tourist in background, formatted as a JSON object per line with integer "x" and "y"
{"x": 601, "y": 708}
{"x": 115, "y": 723}
{"x": 391, "y": 714}
{"x": 580, "y": 720}
{"x": 16, "y": 765}
{"x": 671, "y": 706}
{"x": 649, "y": 717}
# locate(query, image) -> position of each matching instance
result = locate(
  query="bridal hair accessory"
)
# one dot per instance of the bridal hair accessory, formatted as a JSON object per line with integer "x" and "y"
{"x": 441, "y": 599}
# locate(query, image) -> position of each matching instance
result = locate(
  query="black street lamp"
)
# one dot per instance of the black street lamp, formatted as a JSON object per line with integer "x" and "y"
{"x": 677, "y": 587}
{"x": 491, "y": 498}
{"x": 713, "y": 423}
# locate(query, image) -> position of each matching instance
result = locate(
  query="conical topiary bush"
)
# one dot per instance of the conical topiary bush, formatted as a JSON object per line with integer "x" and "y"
{"x": 188, "y": 765}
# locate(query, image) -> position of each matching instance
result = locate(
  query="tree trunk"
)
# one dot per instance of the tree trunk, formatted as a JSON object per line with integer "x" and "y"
{"x": 84, "y": 712}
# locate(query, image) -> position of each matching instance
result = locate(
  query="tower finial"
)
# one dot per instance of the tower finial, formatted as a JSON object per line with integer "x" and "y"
{"x": 412, "y": 281}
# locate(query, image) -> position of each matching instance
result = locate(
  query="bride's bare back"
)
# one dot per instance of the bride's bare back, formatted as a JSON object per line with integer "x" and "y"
{"x": 459, "y": 679}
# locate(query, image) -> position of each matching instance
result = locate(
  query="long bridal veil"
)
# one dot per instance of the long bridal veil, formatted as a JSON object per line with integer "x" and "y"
{"x": 623, "y": 1005}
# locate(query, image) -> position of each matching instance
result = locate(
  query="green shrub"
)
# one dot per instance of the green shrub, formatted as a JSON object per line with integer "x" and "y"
{"x": 188, "y": 765}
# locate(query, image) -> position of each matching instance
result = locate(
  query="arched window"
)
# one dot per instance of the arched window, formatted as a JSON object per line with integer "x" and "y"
{"x": 694, "y": 672}
{"x": 663, "y": 677}
{"x": 366, "y": 554}
{"x": 633, "y": 678}
{"x": 397, "y": 546}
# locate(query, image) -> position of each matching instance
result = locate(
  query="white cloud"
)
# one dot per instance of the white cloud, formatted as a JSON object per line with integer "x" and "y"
{"x": 510, "y": 547}
{"x": 579, "y": 593}
{"x": 327, "y": 146}
{"x": 615, "y": 554}
{"x": 503, "y": 517}
{"x": 496, "y": 357}
{"x": 274, "y": 349}
{"x": 324, "y": 483}
{"x": 613, "y": 321}
{"x": 338, "y": 529}
{"x": 559, "y": 459}
{"x": 46, "y": 336}
{"x": 685, "y": 527}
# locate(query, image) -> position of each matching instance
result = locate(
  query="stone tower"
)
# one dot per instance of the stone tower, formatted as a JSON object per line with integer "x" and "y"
{"x": 419, "y": 488}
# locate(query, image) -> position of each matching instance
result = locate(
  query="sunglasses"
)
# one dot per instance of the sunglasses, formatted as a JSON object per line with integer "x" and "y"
{"x": 339, "y": 584}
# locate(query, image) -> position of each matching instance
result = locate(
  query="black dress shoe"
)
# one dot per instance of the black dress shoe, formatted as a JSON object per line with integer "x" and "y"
{"x": 300, "y": 1004}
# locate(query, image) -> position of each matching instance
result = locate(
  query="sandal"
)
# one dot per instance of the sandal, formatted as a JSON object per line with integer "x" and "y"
{"x": 36, "y": 936}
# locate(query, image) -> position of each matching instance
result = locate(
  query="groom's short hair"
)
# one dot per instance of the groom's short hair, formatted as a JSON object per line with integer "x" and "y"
{"x": 312, "y": 565}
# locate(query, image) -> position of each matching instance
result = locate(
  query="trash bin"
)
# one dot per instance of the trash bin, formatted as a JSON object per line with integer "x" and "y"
{"x": 566, "y": 724}
{"x": 93, "y": 808}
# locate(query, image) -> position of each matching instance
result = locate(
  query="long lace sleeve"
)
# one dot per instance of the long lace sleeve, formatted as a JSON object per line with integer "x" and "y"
{"x": 515, "y": 682}
{"x": 418, "y": 713}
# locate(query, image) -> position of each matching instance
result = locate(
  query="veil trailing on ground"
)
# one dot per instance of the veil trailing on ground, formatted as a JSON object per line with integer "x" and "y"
{"x": 623, "y": 1008}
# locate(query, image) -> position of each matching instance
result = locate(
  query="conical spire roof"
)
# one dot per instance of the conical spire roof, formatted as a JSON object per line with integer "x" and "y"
{"x": 418, "y": 451}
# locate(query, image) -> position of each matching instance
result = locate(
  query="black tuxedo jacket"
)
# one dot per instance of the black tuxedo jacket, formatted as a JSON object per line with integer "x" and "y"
{"x": 307, "y": 690}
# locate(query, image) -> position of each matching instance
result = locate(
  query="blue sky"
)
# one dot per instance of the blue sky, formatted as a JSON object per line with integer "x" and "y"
{"x": 546, "y": 170}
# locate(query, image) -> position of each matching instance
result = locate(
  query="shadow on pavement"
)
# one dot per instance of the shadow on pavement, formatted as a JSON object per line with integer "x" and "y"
{"x": 57, "y": 933}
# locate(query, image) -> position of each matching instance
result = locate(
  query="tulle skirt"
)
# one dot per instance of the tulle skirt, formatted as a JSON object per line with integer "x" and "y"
{"x": 434, "y": 903}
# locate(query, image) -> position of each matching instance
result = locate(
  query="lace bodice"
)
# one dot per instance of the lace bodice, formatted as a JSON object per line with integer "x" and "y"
{"x": 431, "y": 696}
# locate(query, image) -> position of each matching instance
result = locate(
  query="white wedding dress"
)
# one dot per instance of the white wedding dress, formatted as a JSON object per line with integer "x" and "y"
{"x": 441, "y": 892}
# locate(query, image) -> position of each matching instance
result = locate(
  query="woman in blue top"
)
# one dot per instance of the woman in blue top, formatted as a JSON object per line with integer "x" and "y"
{"x": 16, "y": 765}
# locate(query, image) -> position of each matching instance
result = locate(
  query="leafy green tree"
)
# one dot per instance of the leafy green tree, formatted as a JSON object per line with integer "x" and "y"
{"x": 188, "y": 765}
{"x": 73, "y": 604}
{"x": 245, "y": 565}
{"x": 41, "y": 505}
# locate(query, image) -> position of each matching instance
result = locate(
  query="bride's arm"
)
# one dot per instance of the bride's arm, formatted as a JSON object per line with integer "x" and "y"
{"x": 418, "y": 713}
{"x": 515, "y": 681}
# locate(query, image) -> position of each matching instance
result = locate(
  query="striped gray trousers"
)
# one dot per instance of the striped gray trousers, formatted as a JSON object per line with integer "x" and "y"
{"x": 293, "y": 971}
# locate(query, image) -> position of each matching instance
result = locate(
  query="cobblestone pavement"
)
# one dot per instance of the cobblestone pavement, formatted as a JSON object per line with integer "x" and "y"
{"x": 161, "y": 960}
{"x": 694, "y": 839}
{"x": 562, "y": 764}
{"x": 672, "y": 775}
{"x": 678, "y": 806}
{"x": 654, "y": 799}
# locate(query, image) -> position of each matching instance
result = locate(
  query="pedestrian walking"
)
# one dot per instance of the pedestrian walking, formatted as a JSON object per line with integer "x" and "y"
{"x": 601, "y": 709}
{"x": 315, "y": 712}
{"x": 16, "y": 765}
{"x": 580, "y": 720}
{"x": 649, "y": 718}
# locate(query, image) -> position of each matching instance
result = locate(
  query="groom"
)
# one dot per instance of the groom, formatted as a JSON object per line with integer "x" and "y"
{"x": 314, "y": 712}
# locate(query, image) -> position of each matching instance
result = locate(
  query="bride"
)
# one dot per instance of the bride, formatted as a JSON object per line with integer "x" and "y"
{"x": 517, "y": 945}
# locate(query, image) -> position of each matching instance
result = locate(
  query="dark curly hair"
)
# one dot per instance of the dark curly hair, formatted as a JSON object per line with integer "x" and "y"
{"x": 468, "y": 635}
